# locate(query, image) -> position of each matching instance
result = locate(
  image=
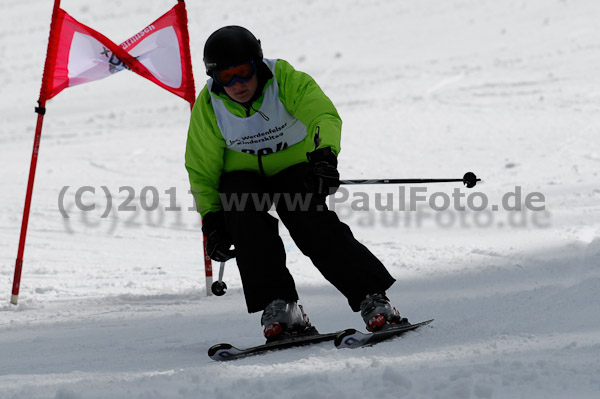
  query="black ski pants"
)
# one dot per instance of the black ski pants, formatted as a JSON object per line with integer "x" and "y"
{"x": 317, "y": 231}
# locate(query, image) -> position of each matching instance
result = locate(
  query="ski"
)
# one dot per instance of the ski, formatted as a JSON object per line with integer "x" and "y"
{"x": 352, "y": 338}
{"x": 225, "y": 351}
{"x": 349, "y": 338}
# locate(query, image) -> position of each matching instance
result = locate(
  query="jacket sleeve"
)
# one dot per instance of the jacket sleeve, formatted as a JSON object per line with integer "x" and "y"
{"x": 204, "y": 155}
{"x": 304, "y": 99}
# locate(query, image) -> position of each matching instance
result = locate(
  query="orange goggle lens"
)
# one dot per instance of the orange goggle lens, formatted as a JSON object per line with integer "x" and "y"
{"x": 241, "y": 73}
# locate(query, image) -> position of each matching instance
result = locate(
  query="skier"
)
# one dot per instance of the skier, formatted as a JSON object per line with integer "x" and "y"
{"x": 263, "y": 133}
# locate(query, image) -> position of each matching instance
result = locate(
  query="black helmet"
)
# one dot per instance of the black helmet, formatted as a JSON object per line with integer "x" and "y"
{"x": 229, "y": 46}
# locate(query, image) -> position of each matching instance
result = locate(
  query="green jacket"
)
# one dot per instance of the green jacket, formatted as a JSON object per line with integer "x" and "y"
{"x": 207, "y": 157}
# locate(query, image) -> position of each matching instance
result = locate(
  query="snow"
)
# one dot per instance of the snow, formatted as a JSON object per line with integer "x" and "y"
{"x": 116, "y": 307}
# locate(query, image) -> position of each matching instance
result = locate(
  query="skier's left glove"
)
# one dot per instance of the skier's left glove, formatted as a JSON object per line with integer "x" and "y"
{"x": 323, "y": 178}
{"x": 218, "y": 240}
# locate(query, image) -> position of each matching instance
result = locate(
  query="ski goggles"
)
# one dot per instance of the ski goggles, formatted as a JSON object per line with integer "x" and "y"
{"x": 238, "y": 73}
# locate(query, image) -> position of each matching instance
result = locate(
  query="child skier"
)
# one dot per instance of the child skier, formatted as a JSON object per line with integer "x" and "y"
{"x": 263, "y": 133}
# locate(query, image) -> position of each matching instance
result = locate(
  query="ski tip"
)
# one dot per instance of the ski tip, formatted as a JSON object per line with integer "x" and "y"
{"x": 339, "y": 339}
{"x": 212, "y": 351}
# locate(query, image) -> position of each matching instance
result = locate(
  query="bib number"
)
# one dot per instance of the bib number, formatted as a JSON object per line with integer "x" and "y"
{"x": 266, "y": 150}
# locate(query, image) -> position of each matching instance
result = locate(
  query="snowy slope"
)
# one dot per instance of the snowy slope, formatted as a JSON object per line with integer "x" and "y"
{"x": 116, "y": 307}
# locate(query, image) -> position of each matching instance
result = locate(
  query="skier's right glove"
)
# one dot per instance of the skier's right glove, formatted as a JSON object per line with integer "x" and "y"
{"x": 218, "y": 240}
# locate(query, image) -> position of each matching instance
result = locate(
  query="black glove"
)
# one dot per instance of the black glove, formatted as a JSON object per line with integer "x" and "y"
{"x": 218, "y": 240}
{"x": 323, "y": 177}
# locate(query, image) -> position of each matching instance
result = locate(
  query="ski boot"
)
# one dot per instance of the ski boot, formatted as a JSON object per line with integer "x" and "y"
{"x": 377, "y": 313}
{"x": 285, "y": 319}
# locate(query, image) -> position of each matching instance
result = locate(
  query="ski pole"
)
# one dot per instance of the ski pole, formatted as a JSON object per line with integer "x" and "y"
{"x": 219, "y": 288}
{"x": 469, "y": 180}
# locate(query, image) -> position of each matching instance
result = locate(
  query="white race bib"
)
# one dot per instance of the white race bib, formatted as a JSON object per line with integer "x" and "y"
{"x": 269, "y": 130}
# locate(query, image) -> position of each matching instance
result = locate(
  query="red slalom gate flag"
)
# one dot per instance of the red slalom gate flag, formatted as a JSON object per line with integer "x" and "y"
{"x": 160, "y": 52}
{"x": 78, "y": 54}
